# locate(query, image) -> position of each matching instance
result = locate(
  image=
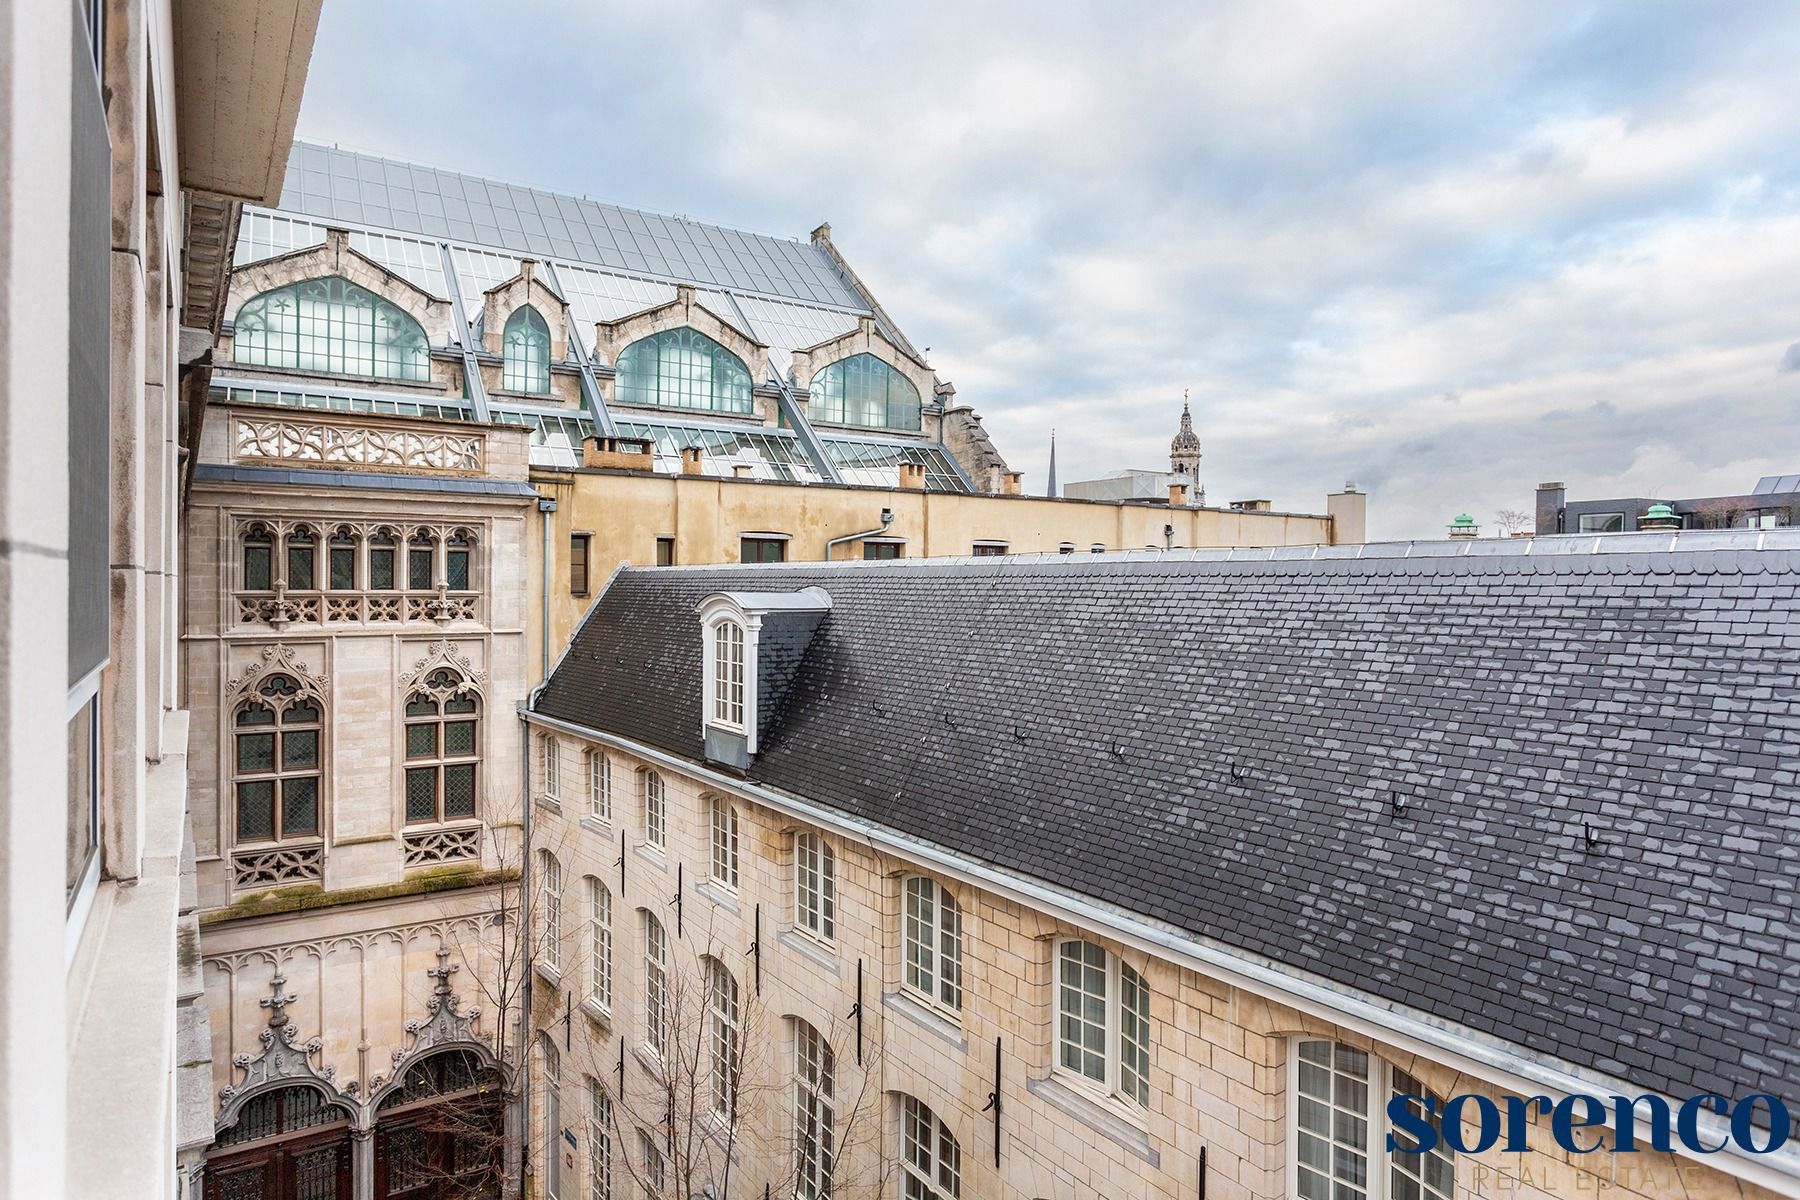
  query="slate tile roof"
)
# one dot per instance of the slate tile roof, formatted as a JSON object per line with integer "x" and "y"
{"x": 1077, "y": 720}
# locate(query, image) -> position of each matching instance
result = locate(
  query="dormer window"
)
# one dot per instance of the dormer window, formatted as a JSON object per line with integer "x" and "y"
{"x": 739, "y": 680}
{"x": 728, "y": 674}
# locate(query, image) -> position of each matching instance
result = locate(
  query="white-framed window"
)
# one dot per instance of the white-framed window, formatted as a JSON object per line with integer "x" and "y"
{"x": 1337, "y": 1108}
{"x": 550, "y": 767}
{"x": 656, "y": 825}
{"x": 656, "y": 986}
{"x": 933, "y": 1160}
{"x": 815, "y": 886}
{"x": 599, "y": 783}
{"x": 656, "y": 1166}
{"x": 815, "y": 1116}
{"x": 724, "y": 1038}
{"x": 726, "y": 679}
{"x": 552, "y": 1129}
{"x": 599, "y": 943}
{"x": 600, "y": 1121}
{"x": 1103, "y": 1021}
{"x": 550, "y": 904}
{"x": 722, "y": 818}
{"x": 933, "y": 942}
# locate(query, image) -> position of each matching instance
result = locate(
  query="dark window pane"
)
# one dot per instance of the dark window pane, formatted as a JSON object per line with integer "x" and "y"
{"x": 256, "y": 568}
{"x": 303, "y": 713}
{"x": 459, "y": 737}
{"x": 343, "y": 569}
{"x": 381, "y": 570}
{"x": 578, "y": 564}
{"x": 754, "y": 550}
{"x": 300, "y": 749}
{"x": 456, "y": 569}
{"x": 300, "y": 805}
{"x": 256, "y": 751}
{"x": 874, "y": 550}
{"x": 421, "y": 740}
{"x": 665, "y": 552}
{"x": 421, "y": 794}
{"x": 256, "y": 714}
{"x": 459, "y": 790}
{"x": 421, "y": 706}
{"x": 418, "y": 570}
{"x": 300, "y": 568}
{"x": 460, "y": 704}
{"x": 256, "y": 811}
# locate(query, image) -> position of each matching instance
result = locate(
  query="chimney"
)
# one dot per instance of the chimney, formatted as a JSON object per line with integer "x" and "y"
{"x": 740, "y": 470}
{"x": 1178, "y": 495}
{"x": 690, "y": 460}
{"x": 912, "y": 475}
{"x": 1349, "y": 513}
{"x": 1012, "y": 483}
{"x": 630, "y": 454}
{"x": 1549, "y": 515}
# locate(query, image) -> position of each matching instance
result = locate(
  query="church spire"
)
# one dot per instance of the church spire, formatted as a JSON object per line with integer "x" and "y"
{"x": 1050, "y": 487}
{"x": 1184, "y": 449}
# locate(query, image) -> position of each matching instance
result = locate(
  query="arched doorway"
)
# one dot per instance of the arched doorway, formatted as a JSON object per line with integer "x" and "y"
{"x": 440, "y": 1132}
{"x": 289, "y": 1144}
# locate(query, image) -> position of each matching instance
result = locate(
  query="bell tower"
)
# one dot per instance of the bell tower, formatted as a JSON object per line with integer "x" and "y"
{"x": 1184, "y": 450}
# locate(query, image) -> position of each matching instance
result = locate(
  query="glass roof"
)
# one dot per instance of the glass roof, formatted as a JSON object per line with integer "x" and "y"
{"x": 877, "y": 463}
{"x": 327, "y": 184}
{"x": 596, "y": 296}
{"x": 769, "y": 453}
{"x": 419, "y": 262}
{"x": 266, "y": 234}
{"x": 790, "y": 327}
{"x": 339, "y": 401}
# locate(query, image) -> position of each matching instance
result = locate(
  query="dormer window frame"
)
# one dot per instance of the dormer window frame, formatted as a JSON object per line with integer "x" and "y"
{"x": 718, "y": 619}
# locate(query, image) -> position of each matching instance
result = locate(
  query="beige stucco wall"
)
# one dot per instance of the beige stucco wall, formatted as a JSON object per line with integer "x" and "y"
{"x": 1220, "y": 1054}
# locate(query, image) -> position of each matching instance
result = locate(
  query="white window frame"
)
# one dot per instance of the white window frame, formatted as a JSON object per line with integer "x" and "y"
{"x": 815, "y": 887}
{"x": 938, "y": 934}
{"x": 1112, "y": 1085}
{"x": 914, "y": 1116}
{"x": 725, "y": 1040}
{"x": 599, "y": 780}
{"x": 654, "y": 801}
{"x": 600, "y": 1113}
{"x": 550, "y": 904}
{"x": 722, "y": 826}
{"x": 656, "y": 986}
{"x": 600, "y": 948}
{"x": 552, "y": 1127}
{"x": 1379, "y": 1164}
{"x": 551, "y": 768}
{"x": 815, "y": 1113}
{"x": 656, "y": 1165}
{"x": 728, "y": 676}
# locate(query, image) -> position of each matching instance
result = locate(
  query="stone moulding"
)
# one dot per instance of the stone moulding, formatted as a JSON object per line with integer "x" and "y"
{"x": 355, "y": 446}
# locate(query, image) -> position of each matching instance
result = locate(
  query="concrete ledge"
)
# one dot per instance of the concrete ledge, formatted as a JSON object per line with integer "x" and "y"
{"x": 809, "y": 951}
{"x": 1095, "y": 1116}
{"x": 921, "y": 1015}
{"x": 303, "y": 899}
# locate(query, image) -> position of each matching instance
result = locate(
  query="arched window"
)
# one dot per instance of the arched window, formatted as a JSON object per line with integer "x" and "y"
{"x": 933, "y": 1159}
{"x": 259, "y": 558}
{"x": 723, "y": 819}
{"x": 656, "y": 828}
{"x": 526, "y": 352}
{"x": 599, "y": 781}
{"x": 457, "y": 549}
{"x": 600, "y": 1122}
{"x": 342, "y": 552}
{"x": 287, "y": 1110}
{"x": 815, "y": 886}
{"x": 727, "y": 675}
{"x": 933, "y": 942}
{"x": 863, "y": 390}
{"x": 333, "y": 327}
{"x": 302, "y": 559}
{"x": 421, "y": 555}
{"x": 552, "y": 1130}
{"x": 815, "y": 1117}
{"x": 683, "y": 368}
{"x": 440, "y": 1075}
{"x": 442, "y": 748}
{"x": 382, "y": 545}
{"x": 724, "y": 1036}
{"x": 1103, "y": 1027}
{"x": 276, "y": 780}
{"x": 599, "y": 902}
{"x": 656, "y": 986}
{"x": 550, "y": 904}
{"x": 1341, "y": 1098}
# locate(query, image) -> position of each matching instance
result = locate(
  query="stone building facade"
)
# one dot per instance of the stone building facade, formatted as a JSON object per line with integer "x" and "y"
{"x": 809, "y": 889}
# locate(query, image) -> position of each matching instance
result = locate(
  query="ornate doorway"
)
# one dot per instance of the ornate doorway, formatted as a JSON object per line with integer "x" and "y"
{"x": 290, "y": 1144}
{"x": 440, "y": 1134}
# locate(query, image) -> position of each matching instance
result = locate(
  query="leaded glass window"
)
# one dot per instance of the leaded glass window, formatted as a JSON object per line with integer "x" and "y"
{"x": 933, "y": 942}
{"x": 683, "y": 368}
{"x": 421, "y": 553}
{"x": 331, "y": 326}
{"x": 815, "y": 886}
{"x": 457, "y": 549}
{"x": 442, "y": 748}
{"x": 259, "y": 558}
{"x": 302, "y": 558}
{"x": 815, "y": 1118}
{"x": 862, "y": 390}
{"x": 276, "y": 762}
{"x": 1103, "y": 1021}
{"x": 933, "y": 1160}
{"x": 342, "y": 554}
{"x": 525, "y": 359}
{"x": 381, "y": 560}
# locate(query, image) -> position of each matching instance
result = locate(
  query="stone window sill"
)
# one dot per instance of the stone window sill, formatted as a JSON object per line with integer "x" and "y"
{"x": 654, "y": 857}
{"x": 1097, "y": 1115}
{"x": 809, "y": 950}
{"x": 719, "y": 896}
{"x": 550, "y": 805}
{"x": 548, "y": 974}
{"x": 598, "y": 827}
{"x": 599, "y": 1016}
{"x": 922, "y": 1015}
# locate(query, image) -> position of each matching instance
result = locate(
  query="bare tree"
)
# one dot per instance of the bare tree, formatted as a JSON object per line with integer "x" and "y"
{"x": 1512, "y": 520}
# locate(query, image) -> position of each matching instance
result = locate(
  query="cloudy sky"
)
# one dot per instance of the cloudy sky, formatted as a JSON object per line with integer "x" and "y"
{"x": 1447, "y": 251}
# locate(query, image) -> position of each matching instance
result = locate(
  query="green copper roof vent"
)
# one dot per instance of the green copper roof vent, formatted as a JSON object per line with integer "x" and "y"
{"x": 1660, "y": 516}
{"x": 1464, "y": 526}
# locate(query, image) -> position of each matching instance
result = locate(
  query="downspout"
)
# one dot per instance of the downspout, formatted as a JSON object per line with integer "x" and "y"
{"x": 887, "y": 521}
{"x": 546, "y": 506}
{"x": 526, "y": 964}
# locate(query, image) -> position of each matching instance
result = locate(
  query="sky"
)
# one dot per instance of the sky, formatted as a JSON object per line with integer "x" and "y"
{"x": 1447, "y": 251}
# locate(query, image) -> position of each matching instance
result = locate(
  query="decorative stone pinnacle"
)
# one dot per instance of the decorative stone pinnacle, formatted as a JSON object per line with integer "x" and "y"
{"x": 443, "y": 971}
{"x": 276, "y": 1002}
